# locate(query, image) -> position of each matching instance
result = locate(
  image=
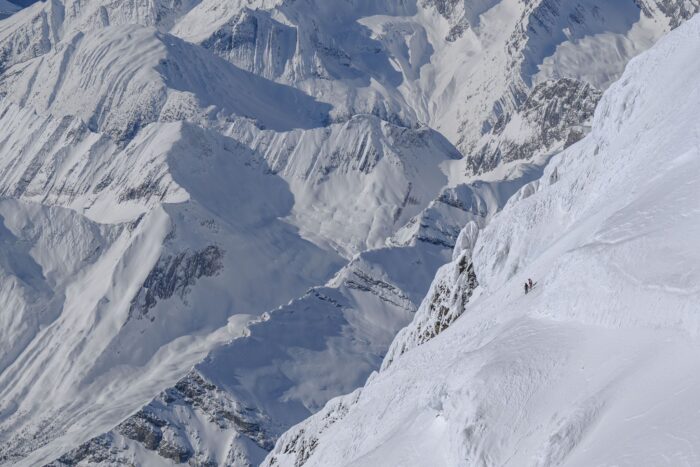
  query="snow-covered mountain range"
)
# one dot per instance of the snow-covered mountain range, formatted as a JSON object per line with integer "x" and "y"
{"x": 597, "y": 365}
{"x": 217, "y": 215}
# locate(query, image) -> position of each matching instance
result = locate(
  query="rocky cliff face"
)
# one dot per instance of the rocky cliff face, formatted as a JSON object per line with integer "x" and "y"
{"x": 555, "y": 115}
{"x": 676, "y": 11}
{"x": 446, "y": 301}
{"x": 176, "y": 428}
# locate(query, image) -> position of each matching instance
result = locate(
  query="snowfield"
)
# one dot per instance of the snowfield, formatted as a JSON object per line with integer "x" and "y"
{"x": 598, "y": 365}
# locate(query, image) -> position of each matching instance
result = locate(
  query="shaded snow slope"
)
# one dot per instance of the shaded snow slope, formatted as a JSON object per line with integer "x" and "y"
{"x": 355, "y": 183}
{"x": 285, "y": 369}
{"x": 7, "y": 9}
{"x": 598, "y": 364}
{"x": 137, "y": 311}
{"x": 233, "y": 406}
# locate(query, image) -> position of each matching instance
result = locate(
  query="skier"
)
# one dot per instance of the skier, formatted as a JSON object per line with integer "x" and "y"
{"x": 529, "y": 282}
{"x": 527, "y": 288}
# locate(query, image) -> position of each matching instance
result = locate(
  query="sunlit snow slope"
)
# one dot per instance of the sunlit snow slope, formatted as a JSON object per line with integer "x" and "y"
{"x": 599, "y": 364}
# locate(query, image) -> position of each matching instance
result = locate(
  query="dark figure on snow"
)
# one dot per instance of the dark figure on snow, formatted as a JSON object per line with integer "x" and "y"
{"x": 529, "y": 282}
{"x": 527, "y": 288}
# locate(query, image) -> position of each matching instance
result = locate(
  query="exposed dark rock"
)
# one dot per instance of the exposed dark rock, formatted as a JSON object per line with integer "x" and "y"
{"x": 170, "y": 438}
{"x": 176, "y": 274}
{"x": 555, "y": 114}
{"x": 676, "y": 10}
{"x": 447, "y": 301}
{"x": 104, "y": 183}
{"x": 174, "y": 451}
{"x": 95, "y": 451}
{"x": 453, "y": 11}
{"x": 363, "y": 159}
{"x": 144, "y": 427}
{"x": 150, "y": 187}
{"x": 386, "y": 292}
{"x": 301, "y": 443}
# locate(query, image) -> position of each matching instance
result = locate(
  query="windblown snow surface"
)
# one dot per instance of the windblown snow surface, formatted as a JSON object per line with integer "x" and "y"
{"x": 216, "y": 215}
{"x": 599, "y": 364}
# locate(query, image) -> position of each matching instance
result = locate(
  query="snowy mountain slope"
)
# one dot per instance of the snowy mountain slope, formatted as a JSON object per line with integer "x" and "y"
{"x": 394, "y": 169}
{"x": 209, "y": 192}
{"x": 477, "y": 200}
{"x": 39, "y": 28}
{"x": 391, "y": 59}
{"x": 555, "y": 115}
{"x": 178, "y": 272}
{"x": 121, "y": 78}
{"x": 416, "y": 94}
{"x": 304, "y": 353}
{"x": 32, "y": 291}
{"x": 205, "y": 252}
{"x": 169, "y": 84}
{"x": 423, "y": 51}
{"x": 290, "y": 364}
{"x": 554, "y": 377}
{"x": 187, "y": 259}
{"x": 355, "y": 183}
{"x": 319, "y": 47}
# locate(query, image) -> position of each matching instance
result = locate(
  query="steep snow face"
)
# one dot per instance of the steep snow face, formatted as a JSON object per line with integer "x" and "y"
{"x": 43, "y": 248}
{"x": 553, "y": 377}
{"x": 59, "y": 161}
